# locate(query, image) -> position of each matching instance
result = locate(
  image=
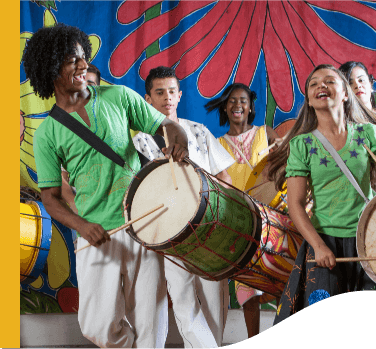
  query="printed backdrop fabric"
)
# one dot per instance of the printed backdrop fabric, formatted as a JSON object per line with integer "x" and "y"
{"x": 272, "y": 46}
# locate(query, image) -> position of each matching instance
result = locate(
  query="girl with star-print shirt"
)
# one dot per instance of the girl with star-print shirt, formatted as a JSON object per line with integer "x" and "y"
{"x": 331, "y": 107}
{"x": 337, "y": 204}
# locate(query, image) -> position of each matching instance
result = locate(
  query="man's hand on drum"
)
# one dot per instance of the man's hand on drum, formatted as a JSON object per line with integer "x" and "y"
{"x": 178, "y": 141}
{"x": 94, "y": 234}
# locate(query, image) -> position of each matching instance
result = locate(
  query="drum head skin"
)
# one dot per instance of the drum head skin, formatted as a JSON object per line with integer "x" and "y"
{"x": 157, "y": 187}
{"x": 366, "y": 238}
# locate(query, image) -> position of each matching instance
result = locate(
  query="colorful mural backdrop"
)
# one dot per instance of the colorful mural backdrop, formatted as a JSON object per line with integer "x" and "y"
{"x": 269, "y": 45}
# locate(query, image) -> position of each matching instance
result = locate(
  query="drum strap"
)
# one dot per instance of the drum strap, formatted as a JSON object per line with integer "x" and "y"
{"x": 89, "y": 137}
{"x": 328, "y": 146}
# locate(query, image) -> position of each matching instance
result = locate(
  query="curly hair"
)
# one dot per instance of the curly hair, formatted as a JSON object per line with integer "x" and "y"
{"x": 45, "y": 52}
{"x": 221, "y": 102}
{"x": 160, "y": 72}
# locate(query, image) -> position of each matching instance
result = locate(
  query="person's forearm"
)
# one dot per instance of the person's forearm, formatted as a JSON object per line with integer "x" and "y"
{"x": 224, "y": 176}
{"x": 175, "y": 132}
{"x": 304, "y": 225}
{"x": 68, "y": 195}
{"x": 177, "y": 139}
{"x": 58, "y": 209}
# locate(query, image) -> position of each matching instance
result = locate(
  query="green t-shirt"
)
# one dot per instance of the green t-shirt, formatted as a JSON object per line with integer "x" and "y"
{"x": 337, "y": 205}
{"x": 99, "y": 182}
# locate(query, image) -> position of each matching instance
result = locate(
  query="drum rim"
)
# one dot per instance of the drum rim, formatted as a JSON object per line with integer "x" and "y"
{"x": 361, "y": 237}
{"x": 36, "y": 267}
{"x": 187, "y": 230}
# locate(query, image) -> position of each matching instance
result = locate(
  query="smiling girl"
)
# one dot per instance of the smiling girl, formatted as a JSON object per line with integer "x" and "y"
{"x": 236, "y": 107}
{"x": 331, "y": 107}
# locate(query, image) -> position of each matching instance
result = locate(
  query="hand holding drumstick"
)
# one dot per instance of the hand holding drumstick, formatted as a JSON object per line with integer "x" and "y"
{"x": 178, "y": 140}
{"x": 126, "y": 225}
{"x": 277, "y": 141}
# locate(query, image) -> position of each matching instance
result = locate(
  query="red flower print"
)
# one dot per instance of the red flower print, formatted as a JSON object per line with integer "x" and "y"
{"x": 239, "y": 30}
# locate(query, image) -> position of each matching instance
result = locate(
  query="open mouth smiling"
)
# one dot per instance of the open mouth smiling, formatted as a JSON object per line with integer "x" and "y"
{"x": 80, "y": 77}
{"x": 237, "y": 112}
{"x": 322, "y": 94}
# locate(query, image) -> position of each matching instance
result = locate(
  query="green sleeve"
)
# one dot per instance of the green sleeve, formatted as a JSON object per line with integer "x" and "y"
{"x": 47, "y": 161}
{"x": 370, "y": 131}
{"x": 143, "y": 117}
{"x": 297, "y": 160}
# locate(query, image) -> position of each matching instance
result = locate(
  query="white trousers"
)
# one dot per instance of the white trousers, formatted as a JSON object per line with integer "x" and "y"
{"x": 122, "y": 294}
{"x": 200, "y": 306}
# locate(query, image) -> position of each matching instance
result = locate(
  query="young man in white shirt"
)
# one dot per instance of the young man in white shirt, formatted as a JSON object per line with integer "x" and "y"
{"x": 200, "y": 306}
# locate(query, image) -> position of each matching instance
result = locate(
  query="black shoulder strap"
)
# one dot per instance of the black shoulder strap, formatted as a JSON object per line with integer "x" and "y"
{"x": 159, "y": 140}
{"x": 83, "y": 132}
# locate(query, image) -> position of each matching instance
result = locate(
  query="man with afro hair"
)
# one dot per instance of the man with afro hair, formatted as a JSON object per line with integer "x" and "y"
{"x": 122, "y": 291}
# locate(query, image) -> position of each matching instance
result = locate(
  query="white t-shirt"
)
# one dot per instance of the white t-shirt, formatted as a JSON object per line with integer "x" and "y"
{"x": 204, "y": 149}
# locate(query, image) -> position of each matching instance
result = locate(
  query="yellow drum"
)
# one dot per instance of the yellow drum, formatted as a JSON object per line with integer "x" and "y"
{"x": 35, "y": 240}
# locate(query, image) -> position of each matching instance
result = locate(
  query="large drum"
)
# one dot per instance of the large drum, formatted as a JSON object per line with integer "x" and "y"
{"x": 35, "y": 240}
{"x": 366, "y": 238}
{"x": 217, "y": 232}
{"x": 207, "y": 226}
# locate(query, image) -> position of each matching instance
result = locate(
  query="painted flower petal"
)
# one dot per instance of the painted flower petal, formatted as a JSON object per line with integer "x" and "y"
{"x": 343, "y": 50}
{"x": 278, "y": 68}
{"x": 122, "y": 58}
{"x": 188, "y": 40}
{"x": 128, "y": 12}
{"x": 308, "y": 42}
{"x": 252, "y": 45}
{"x": 210, "y": 82}
{"x": 352, "y": 8}
{"x": 195, "y": 57}
{"x": 303, "y": 65}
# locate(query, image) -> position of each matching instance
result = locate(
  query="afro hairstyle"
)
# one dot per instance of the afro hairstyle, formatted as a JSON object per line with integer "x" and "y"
{"x": 45, "y": 52}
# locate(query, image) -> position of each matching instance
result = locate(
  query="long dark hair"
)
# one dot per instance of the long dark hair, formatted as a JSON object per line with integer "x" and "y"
{"x": 220, "y": 103}
{"x": 354, "y": 110}
{"x": 346, "y": 69}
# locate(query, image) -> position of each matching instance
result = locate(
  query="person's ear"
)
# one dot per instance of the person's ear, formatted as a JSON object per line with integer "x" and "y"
{"x": 180, "y": 93}
{"x": 148, "y": 99}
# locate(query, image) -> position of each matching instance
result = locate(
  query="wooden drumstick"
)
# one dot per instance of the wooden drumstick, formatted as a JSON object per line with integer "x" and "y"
{"x": 370, "y": 152}
{"x": 113, "y": 231}
{"x": 271, "y": 146}
{"x": 348, "y": 259}
{"x": 170, "y": 160}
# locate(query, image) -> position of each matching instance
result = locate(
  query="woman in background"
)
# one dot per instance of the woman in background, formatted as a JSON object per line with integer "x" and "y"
{"x": 361, "y": 82}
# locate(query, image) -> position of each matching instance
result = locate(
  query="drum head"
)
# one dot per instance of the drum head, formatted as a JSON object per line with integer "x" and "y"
{"x": 366, "y": 238}
{"x": 156, "y": 187}
{"x": 263, "y": 189}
